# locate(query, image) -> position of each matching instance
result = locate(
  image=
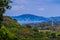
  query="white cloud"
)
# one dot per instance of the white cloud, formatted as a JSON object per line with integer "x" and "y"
{"x": 17, "y": 7}
{"x": 41, "y": 9}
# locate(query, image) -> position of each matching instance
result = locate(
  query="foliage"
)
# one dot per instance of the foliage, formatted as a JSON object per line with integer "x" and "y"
{"x": 23, "y": 32}
{"x": 6, "y": 35}
{"x": 4, "y": 4}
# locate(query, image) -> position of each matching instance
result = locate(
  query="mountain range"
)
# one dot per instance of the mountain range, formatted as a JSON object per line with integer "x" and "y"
{"x": 29, "y": 18}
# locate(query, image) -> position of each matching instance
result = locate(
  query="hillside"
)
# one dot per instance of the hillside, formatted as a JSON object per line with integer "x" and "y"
{"x": 7, "y": 21}
{"x": 26, "y": 32}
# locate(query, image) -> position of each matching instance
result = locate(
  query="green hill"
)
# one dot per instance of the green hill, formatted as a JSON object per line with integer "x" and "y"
{"x": 24, "y": 32}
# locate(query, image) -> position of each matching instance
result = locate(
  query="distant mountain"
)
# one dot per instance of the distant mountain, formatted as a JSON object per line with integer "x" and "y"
{"x": 55, "y": 18}
{"x": 29, "y": 18}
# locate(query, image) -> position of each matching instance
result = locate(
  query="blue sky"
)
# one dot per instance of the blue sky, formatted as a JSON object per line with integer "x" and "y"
{"x": 46, "y": 8}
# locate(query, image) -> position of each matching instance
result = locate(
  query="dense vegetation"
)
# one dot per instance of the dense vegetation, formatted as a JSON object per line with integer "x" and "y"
{"x": 4, "y": 32}
{"x": 26, "y": 32}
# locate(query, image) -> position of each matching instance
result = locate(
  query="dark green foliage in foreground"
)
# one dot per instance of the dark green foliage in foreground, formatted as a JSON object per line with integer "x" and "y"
{"x": 6, "y": 35}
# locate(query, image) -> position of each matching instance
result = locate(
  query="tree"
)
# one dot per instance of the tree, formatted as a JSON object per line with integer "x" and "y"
{"x": 4, "y": 4}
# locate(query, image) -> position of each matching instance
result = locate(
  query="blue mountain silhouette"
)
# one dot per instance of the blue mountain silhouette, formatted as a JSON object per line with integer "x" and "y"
{"x": 29, "y": 18}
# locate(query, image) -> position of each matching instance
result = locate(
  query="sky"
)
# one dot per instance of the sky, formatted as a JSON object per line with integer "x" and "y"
{"x": 45, "y": 8}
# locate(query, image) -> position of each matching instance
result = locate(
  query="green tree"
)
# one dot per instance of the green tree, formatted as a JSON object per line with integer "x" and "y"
{"x": 4, "y": 4}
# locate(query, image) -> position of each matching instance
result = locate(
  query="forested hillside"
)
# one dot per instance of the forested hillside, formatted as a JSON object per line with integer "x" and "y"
{"x": 15, "y": 31}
